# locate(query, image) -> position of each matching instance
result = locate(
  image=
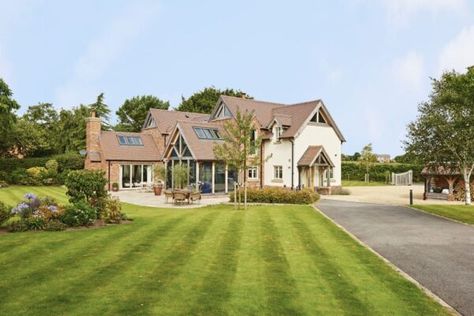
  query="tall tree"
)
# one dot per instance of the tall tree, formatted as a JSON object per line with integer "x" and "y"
{"x": 132, "y": 112}
{"x": 72, "y": 124}
{"x": 204, "y": 101}
{"x": 37, "y": 132}
{"x": 101, "y": 110}
{"x": 8, "y": 106}
{"x": 367, "y": 158}
{"x": 240, "y": 147}
{"x": 443, "y": 133}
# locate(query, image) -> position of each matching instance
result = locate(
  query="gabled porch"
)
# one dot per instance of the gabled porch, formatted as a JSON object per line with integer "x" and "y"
{"x": 315, "y": 170}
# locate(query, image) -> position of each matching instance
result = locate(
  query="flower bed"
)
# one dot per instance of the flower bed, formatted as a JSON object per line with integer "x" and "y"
{"x": 35, "y": 213}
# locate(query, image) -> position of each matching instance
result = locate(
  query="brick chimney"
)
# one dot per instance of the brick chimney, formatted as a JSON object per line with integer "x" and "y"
{"x": 93, "y": 127}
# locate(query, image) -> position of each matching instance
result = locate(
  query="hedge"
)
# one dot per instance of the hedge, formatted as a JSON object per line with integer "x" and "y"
{"x": 68, "y": 161}
{"x": 278, "y": 195}
{"x": 379, "y": 172}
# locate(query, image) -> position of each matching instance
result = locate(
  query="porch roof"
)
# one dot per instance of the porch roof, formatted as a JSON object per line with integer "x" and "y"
{"x": 311, "y": 155}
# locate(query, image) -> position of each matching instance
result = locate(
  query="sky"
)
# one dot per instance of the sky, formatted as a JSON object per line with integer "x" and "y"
{"x": 370, "y": 61}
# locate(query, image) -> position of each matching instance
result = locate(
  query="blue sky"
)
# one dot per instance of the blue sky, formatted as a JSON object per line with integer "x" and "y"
{"x": 370, "y": 61}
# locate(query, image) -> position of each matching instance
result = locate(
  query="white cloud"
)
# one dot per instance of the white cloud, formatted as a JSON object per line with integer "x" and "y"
{"x": 103, "y": 51}
{"x": 409, "y": 70}
{"x": 459, "y": 52}
{"x": 400, "y": 12}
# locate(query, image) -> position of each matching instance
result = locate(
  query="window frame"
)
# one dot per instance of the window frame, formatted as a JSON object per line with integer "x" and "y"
{"x": 251, "y": 171}
{"x": 277, "y": 172}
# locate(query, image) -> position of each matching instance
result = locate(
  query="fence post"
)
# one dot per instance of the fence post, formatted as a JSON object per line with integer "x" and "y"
{"x": 411, "y": 196}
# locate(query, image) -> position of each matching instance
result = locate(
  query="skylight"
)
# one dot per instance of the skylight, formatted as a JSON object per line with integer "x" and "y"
{"x": 130, "y": 140}
{"x": 207, "y": 133}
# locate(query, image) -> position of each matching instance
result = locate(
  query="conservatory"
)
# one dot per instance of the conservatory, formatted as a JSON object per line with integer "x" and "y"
{"x": 203, "y": 172}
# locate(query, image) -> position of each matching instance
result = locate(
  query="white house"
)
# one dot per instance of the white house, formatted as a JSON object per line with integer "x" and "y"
{"x": 301, "y": 147}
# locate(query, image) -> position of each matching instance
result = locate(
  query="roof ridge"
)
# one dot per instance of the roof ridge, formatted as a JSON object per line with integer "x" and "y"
{"x": 305, "y": 102}
{"x": 177, "y": 111}
{"x": 254, "y": 100}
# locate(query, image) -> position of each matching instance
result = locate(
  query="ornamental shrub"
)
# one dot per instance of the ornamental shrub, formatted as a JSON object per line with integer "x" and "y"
{"x": 113, "y": 211}
{"x": 279, "y": 195}
{"x": 79, "y": 214}
{"x": 86, "y": 186}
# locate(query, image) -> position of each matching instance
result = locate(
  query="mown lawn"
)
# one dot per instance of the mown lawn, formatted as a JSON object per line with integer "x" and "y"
{"x": 274, "y": 260}
{"x": 462, "y": 213}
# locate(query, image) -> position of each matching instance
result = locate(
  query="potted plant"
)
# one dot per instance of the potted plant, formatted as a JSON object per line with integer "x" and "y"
{"x": 115, "y": 186}
{"x": 159, "y": 172}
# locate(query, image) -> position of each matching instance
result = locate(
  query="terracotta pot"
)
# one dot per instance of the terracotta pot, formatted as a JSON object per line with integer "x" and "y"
{"x": 157, "y": 189}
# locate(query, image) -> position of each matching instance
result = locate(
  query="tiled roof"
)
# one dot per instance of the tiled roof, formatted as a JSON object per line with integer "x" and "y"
{"x": 262, "y": 109}
{"x": 114, "y": 151}
{"x": 299, "y": 115}
{"x": 166, "y": 120}
{"x": 311, "y": 154}
{"x": 202, "y": 149}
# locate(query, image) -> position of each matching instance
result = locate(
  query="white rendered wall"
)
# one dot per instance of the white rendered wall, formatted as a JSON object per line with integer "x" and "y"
{"x": 277, "y": 154}
{"x": 315, "y": 135}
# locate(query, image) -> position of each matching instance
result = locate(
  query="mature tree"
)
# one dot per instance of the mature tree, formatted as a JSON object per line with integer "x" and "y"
{"x": 205, "y": 100}
{"x": 133, "y": 112}
{"x": 101, "y": 110}
{"x": 443, "y": 133}
{"x": 8, "y": 106}
{"x": 31, "y": 139}
{"x": 367, "y": 159}
{"x": 353, "y": 157}
{"x": 406, "y": 158}
{"x": 240, "y": 147}
{"x": 72, "y": 124}
{"x": 42, "y": 121}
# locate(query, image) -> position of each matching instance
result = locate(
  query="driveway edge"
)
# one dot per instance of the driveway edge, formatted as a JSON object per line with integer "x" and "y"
{"x": 394, "y": 267}
{"x": 440, "y": 216}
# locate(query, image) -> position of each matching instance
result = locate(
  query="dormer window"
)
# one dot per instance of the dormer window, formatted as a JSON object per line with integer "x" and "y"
{"x": 318, "y": 118}
{"x": 277, "y": 131}
{"x": 150, "y": 122}
{"x": 222, "y": 112}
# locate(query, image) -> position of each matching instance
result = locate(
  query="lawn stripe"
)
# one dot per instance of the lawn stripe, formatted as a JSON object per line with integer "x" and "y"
{"x": 281, "y": 290}
{"x": 345, "y": 292}
{"x": 64, "y": 260}
{"x": 76, "y": 292}
{"x": 248, "y": 294}
{"x": 16, "y": 247}
{"x": 215, "y": 291}
{"x": 145, "y": 296}
{"x": 315, "y": 294}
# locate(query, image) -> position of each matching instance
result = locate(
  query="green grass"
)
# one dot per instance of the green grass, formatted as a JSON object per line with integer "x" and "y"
{"x": 462, "y": 213}
{"x": 273, "y": 260}
{"x": 356, "y": 183}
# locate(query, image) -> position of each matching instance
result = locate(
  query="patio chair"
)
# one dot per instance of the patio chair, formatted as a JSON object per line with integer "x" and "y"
{"x": 168, "y": 195}
{"x": 195, "y": 196}
{"x": 180, "y": 197}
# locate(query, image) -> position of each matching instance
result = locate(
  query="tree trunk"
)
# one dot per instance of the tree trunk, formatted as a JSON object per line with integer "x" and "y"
{"x": 245, "y": 195}
{"x": 235, "y": 195}
{"x": 467, "y": 184}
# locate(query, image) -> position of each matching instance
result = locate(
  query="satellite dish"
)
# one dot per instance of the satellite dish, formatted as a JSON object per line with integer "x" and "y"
{"x": 82, "y": 152}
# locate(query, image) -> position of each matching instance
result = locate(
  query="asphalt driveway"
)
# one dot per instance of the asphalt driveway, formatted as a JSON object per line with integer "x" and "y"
{"x": 436, "y": 252}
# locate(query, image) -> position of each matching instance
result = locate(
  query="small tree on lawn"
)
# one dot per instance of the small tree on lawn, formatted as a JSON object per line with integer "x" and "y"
{"x": 367, "y": 159}
{"x": 443, "y": 133}
{"x": 240, "y": 148}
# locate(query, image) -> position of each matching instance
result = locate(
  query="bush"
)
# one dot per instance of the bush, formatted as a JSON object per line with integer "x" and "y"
{"x": 79, "y": 214}
{"x": 5, "y": 213}
{"x": 56, "y": 170}
{"x": 55, "y": 225}
{"x": 279, "y": 195}
{"x": 113, "y": 211}
{"x": 86, "y": 186}
{"x": 3, "y": 184}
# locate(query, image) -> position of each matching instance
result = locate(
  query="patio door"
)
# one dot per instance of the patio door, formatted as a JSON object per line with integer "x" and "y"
{"x": 135, "y": 176}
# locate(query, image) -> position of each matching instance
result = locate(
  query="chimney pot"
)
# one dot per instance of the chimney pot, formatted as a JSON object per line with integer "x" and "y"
{"x": 93, "y": 113}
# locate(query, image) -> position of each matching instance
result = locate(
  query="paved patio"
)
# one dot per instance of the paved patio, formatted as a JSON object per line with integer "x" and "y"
{"x": 387, "y": 194}
{"x": 150, "y": 199}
